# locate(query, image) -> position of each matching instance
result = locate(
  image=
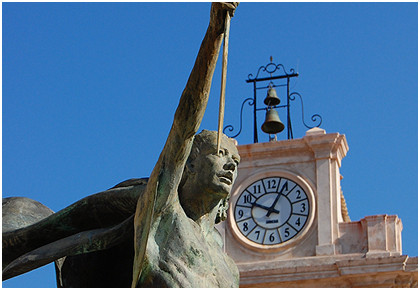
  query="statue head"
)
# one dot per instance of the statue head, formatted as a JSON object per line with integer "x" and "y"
{"x": 211, "y": 172}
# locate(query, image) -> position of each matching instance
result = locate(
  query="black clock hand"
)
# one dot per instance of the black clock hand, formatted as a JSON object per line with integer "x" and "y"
{"x": 265, "y": 207}
{"x": 271, "y": 208}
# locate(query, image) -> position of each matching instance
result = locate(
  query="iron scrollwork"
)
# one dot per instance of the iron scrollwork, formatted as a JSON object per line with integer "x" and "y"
{"x": 313, "y": 118}
{"x": 267, "y": 69}
{"x": 230, "y": 128}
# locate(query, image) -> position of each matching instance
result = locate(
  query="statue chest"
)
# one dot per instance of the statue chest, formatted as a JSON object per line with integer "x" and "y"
{"x": 180, "y": 255}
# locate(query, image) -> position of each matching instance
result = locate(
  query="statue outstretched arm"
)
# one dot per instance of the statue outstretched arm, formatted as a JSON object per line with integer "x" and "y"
{"x": 161, "y": 190}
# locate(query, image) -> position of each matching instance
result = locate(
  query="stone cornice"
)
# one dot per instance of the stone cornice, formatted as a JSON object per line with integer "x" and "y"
{"x": 293, "y": 148}
{"x": 352, "y": 270}
{"x": 316, "y": 144}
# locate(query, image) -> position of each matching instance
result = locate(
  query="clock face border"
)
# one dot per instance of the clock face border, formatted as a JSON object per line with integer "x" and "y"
{"x": 248, "y": 181}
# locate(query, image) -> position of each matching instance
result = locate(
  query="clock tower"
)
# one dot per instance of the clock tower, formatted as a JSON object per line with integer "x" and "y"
{"x": 288, "y": 224}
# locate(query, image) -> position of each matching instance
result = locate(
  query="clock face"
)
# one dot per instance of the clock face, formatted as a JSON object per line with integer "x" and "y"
{"x": 272, "y": 211}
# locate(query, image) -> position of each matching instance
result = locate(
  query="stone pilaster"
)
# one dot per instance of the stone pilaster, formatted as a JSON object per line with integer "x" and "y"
{"x": 328, "y": 151}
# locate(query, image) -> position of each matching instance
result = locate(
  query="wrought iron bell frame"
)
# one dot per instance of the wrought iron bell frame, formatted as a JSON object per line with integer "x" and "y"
{"x": 271, "y": 68}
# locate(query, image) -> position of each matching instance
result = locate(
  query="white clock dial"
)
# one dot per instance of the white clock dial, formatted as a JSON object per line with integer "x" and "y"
{"x": 272, "y": 211}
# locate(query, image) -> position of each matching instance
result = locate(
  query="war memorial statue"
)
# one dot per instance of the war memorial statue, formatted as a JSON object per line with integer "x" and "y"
{"x": 155, "y": 232}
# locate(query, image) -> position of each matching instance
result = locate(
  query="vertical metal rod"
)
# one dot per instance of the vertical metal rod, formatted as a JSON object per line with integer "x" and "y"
{"x": 255, "y": 114}
{"x": 223, "y": 82}
{"x": 288, "y": 109}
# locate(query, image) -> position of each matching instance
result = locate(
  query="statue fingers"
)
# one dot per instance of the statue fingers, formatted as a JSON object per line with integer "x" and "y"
{"x": 230, "y": 7}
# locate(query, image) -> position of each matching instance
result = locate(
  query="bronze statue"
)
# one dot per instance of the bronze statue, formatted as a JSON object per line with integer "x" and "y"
{"x": 173, "y": 242}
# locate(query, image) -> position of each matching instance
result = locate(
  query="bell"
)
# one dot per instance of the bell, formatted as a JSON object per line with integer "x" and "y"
{"x": 272, "y": 99}
{"x": 272, "y": 124}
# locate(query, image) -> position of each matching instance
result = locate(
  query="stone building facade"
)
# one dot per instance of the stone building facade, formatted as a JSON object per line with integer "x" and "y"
{"x": 308, "y": 242}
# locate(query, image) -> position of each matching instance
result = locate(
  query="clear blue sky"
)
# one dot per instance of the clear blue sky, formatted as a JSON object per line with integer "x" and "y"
{"x": 90, "y": 89}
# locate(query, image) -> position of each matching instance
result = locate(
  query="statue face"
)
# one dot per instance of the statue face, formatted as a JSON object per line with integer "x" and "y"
{"x": 215, "y": 173}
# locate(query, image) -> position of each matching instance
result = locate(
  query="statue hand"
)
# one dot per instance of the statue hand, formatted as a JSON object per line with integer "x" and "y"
{"x": 230, "y": 7}
{"x": 218, "y": 13}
